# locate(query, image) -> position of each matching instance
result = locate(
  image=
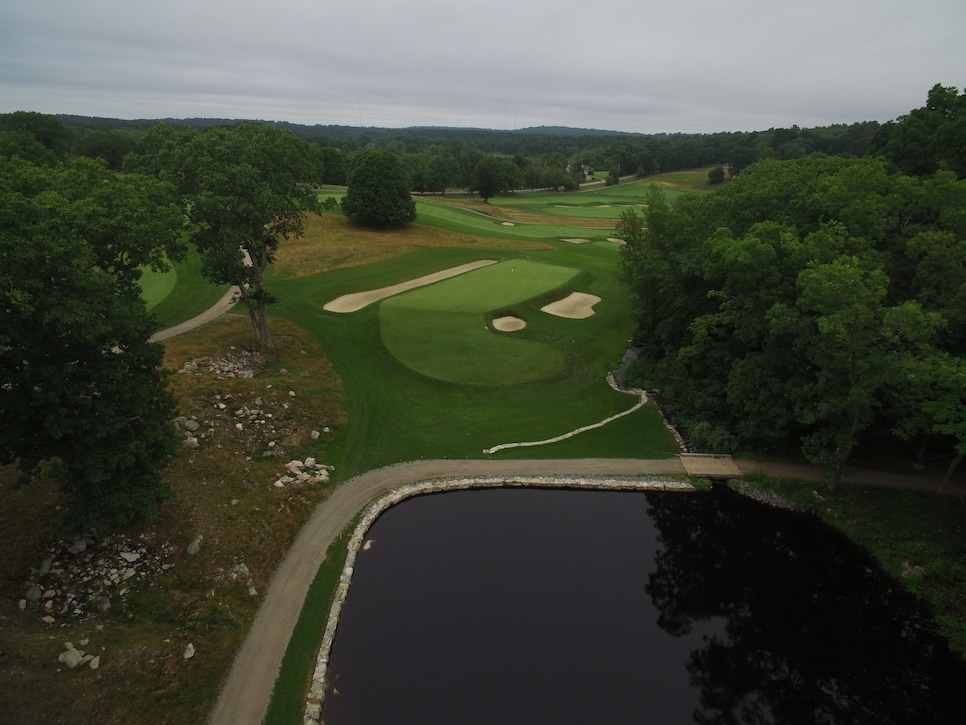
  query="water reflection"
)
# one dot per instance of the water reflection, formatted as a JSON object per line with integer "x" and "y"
{"x": 815, "y": 633}
{"x": 527, "y": 606}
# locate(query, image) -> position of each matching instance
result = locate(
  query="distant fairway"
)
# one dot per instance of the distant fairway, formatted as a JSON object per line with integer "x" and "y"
{"x": 441, "y": 330}
{"x": 155, "y": 286}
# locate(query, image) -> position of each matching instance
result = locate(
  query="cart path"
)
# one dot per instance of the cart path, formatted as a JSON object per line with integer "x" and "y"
{"x": 215, "y": 311}
{"x": 246, "y": 693}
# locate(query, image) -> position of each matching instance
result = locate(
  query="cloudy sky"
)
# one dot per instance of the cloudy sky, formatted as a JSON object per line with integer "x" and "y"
{"x": 629, "y": 65}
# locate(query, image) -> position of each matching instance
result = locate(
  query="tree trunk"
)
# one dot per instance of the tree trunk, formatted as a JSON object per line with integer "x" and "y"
{"x": 256, "y": 313}
{"x": 262, "y": 333}
{"x": 953, "y": 465}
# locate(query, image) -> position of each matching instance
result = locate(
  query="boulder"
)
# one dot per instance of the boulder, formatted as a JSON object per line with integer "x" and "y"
{"x": 71, "y": 656}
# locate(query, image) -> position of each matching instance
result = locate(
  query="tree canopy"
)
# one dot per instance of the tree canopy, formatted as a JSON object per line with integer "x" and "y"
{"x": 82, "y": 386}
{"x": 929, "y": 138}
{"x": 378, "y": 193}
{"x": 795, "y": 307}
{"x": 245, "y": 188}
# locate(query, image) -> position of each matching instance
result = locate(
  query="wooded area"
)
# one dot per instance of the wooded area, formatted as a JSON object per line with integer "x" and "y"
{"x": 814, "y": 305}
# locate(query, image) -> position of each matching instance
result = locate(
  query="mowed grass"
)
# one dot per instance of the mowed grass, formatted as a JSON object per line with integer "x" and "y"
{"x": 181, "y": 293}
{"x": 155, "y": 286}
{"x": 396, "y": 413}
{"x": 465, "y": 221}
{"x": 442, "y": 330}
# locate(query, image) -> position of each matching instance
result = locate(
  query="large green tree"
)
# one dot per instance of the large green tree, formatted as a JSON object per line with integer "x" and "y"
{"x": 44, "y": 128}
{"x": 245, "y": 188}
{"x": 494, "y": 175}
{"x": 82, "y": 388}
{"x": 379, "y": 191}
{"x": 796, "y": 307}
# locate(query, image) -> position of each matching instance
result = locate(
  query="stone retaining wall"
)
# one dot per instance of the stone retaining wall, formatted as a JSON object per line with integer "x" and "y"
{"x": 316, "y": 696}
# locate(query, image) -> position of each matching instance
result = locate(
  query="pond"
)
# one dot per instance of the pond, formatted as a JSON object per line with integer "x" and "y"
{"x": 560, "y": 606}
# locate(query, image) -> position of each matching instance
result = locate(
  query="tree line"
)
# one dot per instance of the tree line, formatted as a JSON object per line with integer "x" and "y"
{"x": 439, "y": 159}
{"x": 817, "y": 305}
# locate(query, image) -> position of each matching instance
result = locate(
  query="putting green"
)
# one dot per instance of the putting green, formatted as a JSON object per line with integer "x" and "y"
{"x": 441, "y": 330}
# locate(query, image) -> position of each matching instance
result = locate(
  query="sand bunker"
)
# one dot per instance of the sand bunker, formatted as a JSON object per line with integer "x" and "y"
{"x": 508, "y": 224}
{"x": 508, "y": 323}
{"x": 575, "y": 306}
{"x": 358, "y": 300}
{"x": 577, "y": 240}
{"x": 616, "y": 240}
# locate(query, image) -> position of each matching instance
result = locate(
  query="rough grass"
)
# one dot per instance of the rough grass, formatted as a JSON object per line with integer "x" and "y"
{"x": 224, "y": 492}
{"x": 331, "y": 242}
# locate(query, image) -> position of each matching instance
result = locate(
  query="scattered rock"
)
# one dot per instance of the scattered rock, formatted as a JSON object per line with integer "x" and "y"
{"x": 189, "y": 651}
{"x": 233, "y": 364}
{"x": 71, "y": 656}
{"x": 78, "y": 547}
{"x": 307, "y": 471}
{"x": 95, "y": 662}
{"x": 80, "y": 580}
{"x": 195, "y": 546}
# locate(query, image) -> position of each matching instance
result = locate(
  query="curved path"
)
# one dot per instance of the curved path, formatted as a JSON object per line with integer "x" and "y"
{"x": 215, "y": 311}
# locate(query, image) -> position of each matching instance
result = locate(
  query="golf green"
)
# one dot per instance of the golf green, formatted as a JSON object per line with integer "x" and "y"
{"x": 443, "y": 331}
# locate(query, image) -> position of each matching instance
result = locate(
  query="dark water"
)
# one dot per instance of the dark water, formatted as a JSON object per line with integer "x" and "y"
{"x": 549, "y": 606}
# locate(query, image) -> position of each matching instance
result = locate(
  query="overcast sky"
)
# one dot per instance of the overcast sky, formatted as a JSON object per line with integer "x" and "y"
{"x": 628, "y": 65}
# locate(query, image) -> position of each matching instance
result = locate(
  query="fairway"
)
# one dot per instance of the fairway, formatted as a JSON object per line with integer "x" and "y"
{"x": 443, "y": 330}
{"x": 156, "y": 286}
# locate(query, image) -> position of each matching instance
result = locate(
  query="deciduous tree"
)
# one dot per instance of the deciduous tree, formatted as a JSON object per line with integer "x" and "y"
{"x": 245, "y": 188}
{"x": 80, "y": 383}
{"x": 378, "y": 193}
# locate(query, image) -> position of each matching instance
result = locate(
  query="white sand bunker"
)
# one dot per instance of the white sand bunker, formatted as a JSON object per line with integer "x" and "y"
{"x": 508, "y": 224}
{"x": 508, "y": 323}
{"x": 358, "y": 300}
{"x": 575, "y": 306}
{"x": 616, "y": 240}
{"x": 577, "y": 240}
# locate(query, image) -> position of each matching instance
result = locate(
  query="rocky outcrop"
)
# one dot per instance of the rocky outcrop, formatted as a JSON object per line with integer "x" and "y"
{"x": 86, "y": 575}
{"x": 233, "y": 364}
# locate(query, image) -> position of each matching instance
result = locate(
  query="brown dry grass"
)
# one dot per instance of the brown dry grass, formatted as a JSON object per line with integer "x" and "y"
{"x": 224, "y": 492}
{"x": 331, "y": 242}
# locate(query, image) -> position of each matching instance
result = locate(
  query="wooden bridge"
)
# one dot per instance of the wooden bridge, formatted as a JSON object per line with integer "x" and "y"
{"x": 716, "y": 468}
